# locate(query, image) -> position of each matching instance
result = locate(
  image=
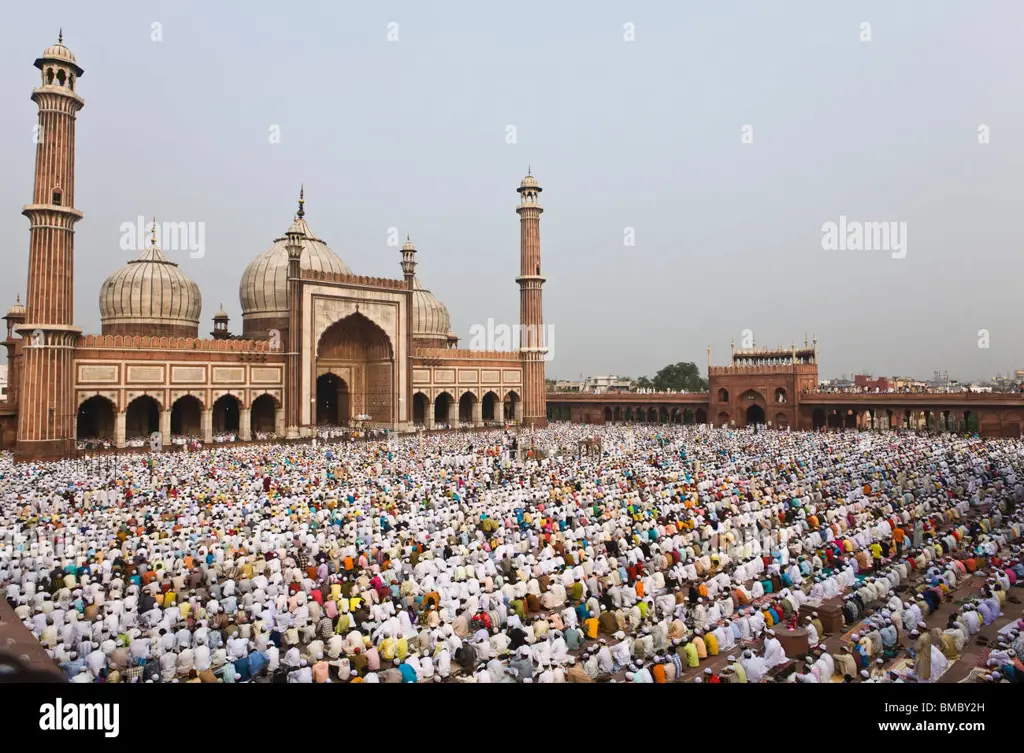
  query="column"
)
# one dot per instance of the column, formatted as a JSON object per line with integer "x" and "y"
{"x": 478, "y": 413}
{"x": 518, "y": 410}
{"x": 453, "y": 413}
{"x": 244, "y": 421}
{"x": 279, "y": 421}
{"x": 165, "y": 428}
{"x": 119, "y": 428}
{"x": 207, "y": 425}
{"x": 428, "y": 416}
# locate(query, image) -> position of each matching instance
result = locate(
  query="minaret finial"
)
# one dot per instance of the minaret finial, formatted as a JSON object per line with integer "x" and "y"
{"x": 60, "y": 36}
{"x": 302, "y": 200}
{"x": 529, "y": 170}
{"x": 18, "y": 298}
{"x": 152, "y": 236}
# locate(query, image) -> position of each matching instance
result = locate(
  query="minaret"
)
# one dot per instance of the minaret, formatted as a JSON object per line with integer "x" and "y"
{"x": 293, "y": 364}
{"x": 409, "y": 261}
{"x": 46, "y": 411}
{"x": 531, "y": 317}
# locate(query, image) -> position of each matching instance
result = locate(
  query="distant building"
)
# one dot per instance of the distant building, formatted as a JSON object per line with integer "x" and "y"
{"x": 596, "y": 384}
{"x": 608, "y": 384}
{"x": 865, "y": 381}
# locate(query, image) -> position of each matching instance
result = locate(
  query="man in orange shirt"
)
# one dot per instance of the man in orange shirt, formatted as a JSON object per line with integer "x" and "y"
{"x": 898, "y": 535}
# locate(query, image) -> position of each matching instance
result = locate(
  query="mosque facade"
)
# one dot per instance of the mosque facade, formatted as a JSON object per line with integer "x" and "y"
{"x": 320, "y": 345}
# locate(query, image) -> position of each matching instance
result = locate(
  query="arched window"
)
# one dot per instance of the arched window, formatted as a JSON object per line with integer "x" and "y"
{"x": 780, "y": 395}
{"x": 55, "y": 198}
{"x": 49, "y": 76}
{"x": 723, "y": 395}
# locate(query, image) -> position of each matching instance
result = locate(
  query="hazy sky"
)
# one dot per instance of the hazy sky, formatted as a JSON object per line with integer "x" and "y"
{"x": 644, "y": 134}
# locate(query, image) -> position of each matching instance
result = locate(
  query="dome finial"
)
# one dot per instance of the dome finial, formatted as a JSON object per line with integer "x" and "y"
{"x": 60, "y": 36}
{"x": 152, "y": 235}
{"x": 302, "y": 200}
{"x": 529, "y": 170}
{"x": 17, "y": 298}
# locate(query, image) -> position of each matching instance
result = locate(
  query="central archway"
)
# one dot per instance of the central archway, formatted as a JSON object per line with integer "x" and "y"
{"x": 755, "y": 415}
{"x": 333, "y": 401}
{"x": 359, "y": 354}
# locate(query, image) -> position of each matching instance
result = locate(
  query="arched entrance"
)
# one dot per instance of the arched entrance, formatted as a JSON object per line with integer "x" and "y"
{"x": 781, "y": 420}
{"x": 489, "y": 407}
{"x": 700, "y": 416}
{"x": 333, "y": 401}
{"x": 187, "y": 416}
{"x": 95, "y": 419}
{"x": 359, "y": 354}
{"x": 755, "y": 415}
{"x": 818, "y": 419}
{"x": 443, "y": 413}
{"x": 420, "y": 405}
{"x": 466, "y": 403}
{"x": 723, "y": 419}
{"x": 142, "y": 417}
{"x": 226, "y": 415}
{"x": 511, "y": 406}
{"x": 263, "y": 415}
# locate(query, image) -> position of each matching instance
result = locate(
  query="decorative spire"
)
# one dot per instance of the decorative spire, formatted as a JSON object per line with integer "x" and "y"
{"x": 152, "y": 237}
{"x": 60, "y": 36}
{"x": 17, "y": 298}
{"x": 302, "y": 200}
{"x": 529, "y": 170}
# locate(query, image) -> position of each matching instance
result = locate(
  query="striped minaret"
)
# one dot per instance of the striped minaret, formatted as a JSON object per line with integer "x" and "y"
{"x": 532, "y": 347}
{"x": 293, "y": 364}
{"x": 46, "y": 411}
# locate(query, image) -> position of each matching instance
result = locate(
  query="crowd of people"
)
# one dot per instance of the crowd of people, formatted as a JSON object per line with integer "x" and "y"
{"x": 470, "y": 558}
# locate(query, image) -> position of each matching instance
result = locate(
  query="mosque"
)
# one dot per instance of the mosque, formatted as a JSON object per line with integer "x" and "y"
{"x": 320, "y": 345}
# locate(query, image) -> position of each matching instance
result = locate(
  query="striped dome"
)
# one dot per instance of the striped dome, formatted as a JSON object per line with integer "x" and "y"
{"x": 430, "y": 319}
{"x": 263, "y": 291}
{"x": 150, "y": 290}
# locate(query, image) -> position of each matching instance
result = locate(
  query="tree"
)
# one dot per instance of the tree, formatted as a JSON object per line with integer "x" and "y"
{"x": 643, "y": 383}
{"x": 680, "y": 376}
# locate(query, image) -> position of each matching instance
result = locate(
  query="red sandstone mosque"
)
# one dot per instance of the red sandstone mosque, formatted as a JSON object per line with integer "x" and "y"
{"x": 320, "y": 345}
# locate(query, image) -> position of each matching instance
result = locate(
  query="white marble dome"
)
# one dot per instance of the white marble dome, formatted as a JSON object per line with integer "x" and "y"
{"x": 150, "y": 290}
{"x": 263, "y": 291}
